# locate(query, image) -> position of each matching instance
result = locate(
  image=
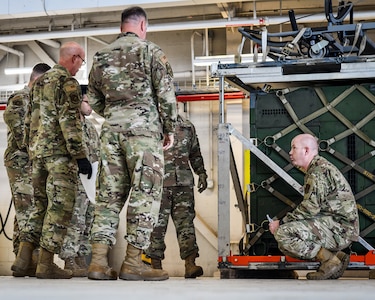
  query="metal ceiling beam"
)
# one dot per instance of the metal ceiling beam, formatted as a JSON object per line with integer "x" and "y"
{"x": 209, "y": 24}
{"x": 44, "y": 57}
{"x": 42, "y": 8}
{"x": 51, "y": 43}
{"x": 196, "y": 25}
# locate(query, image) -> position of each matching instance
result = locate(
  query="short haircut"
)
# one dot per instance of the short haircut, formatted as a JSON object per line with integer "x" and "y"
{"x": 41, "y": 68}
{"x": 133, "y": 13}
{"x": 38, "y": 70}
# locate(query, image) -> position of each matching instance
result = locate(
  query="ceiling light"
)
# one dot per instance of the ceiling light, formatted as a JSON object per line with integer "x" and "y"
{"x": 17, "y": 71}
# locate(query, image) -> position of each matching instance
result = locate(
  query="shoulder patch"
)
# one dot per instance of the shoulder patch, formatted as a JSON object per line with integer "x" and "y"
{"x": 309, "y": 186}
{"x": 71, "y": 88}
{"x": 74, "y": 99}
{"x": 164, "y": 59}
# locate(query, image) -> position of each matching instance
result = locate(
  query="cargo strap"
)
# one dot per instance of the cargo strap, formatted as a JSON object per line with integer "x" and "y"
{"x": 312, "y": 116}
{"x": 351, "y": 127}
{"x": 324, "y": 145}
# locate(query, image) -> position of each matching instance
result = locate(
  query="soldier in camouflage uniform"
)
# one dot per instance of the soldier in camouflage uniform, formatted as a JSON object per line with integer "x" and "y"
{"x": 326, "y": 221}
{"x": 76, "y": 246}
{"x": 131, "y": 86}
{"x": 16, "y": 159}
{"x": 54, "y": 137}
{"x": 178, "y": 198}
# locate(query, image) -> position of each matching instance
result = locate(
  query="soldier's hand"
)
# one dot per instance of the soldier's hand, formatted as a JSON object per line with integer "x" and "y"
{"x": 84, "y": 167}
{"x": 168, "y": 141}
{"x": 273, "y": 226}
{"x": 202, "y": 182}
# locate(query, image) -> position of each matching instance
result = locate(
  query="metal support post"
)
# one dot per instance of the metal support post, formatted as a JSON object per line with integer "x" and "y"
{"x": 223, "y": 179}
{"x": 223, "y": 192}
{"x": 221, "y": 100}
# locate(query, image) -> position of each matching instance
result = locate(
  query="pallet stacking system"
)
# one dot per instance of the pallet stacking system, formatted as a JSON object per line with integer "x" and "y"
{"x": 332, "y": 98}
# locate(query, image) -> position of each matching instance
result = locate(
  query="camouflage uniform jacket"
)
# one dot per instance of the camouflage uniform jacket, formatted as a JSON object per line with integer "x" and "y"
{"x": 131, "y": 86}
{"x": 91, "y": 140}
{"x": 53, "y": 117}
{"x": 185, "y": 150}
{"x": 328, "y": 196}
{"x": 14, "y": 116}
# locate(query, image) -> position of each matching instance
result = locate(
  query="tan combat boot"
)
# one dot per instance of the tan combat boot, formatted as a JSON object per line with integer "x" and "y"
{"x": 70, "y": 264}
{"x": 330, "y": 265}
{"x": 99, "y": 269}
{"x": 191, "y": 270}
{"x": 156, "y": 264}
{"x": 23, "y": 259}
{"x": 32, "y": 266}
{"x": 345, "y": 260}
{"x": 133, "y": 268}
{"x": 46, "y": 269}
{"x": 81, "y": 262}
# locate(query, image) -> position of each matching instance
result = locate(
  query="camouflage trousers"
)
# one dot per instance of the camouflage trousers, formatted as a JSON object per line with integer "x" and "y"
{"x": 177, "y": 202}
{"x": 54, "y": 180}
{"x": 131, "y": 169}
{"x": 76, "y": 241}
{"x": 19, "y": 175}
{"x": 303, "y": 239}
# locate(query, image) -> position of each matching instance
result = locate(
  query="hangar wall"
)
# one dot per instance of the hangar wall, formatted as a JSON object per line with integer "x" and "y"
{"x": 204, "y": 114}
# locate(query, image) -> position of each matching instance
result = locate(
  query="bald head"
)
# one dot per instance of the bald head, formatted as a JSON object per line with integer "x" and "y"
{"x": 304, "y": 148}
{"x": 72, "y": 56}
{"x": 307, "y": 140}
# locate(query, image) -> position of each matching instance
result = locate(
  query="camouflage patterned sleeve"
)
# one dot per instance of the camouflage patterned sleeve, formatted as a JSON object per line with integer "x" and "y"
{"x": 162, "y": 79}
{"x": 26, "y": 133}
{"x": 96, "y": 97}
{"x": 92, "y": 141}
{"x": 69, "y": 118}
{"x": 310, "y": 206}
{"x": 195, "y": 156}
{"x": 14, "y": 116}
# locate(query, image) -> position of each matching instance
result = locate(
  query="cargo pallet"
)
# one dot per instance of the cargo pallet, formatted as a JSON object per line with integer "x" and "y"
{"x": 330, "y": 81}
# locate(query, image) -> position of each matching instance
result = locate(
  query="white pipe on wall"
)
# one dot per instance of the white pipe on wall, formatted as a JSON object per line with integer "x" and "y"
{"x": 192, "y": 57}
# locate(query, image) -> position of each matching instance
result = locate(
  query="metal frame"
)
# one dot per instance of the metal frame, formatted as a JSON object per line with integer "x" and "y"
{"x": 247, "y": 77}
{"x": 272, "y": 73}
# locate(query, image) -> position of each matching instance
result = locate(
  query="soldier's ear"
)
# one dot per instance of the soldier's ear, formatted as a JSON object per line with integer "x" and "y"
{"x": 306, "y": 150}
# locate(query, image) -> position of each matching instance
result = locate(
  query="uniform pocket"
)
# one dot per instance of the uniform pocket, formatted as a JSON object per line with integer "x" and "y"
{"x": 151, "y": 174}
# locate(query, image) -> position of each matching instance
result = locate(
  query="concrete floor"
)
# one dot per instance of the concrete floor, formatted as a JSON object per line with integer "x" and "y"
{"x": 180, "y": 288}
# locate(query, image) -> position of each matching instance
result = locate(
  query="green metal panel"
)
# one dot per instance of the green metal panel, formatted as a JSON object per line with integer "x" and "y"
{"x": 330, "y": 113}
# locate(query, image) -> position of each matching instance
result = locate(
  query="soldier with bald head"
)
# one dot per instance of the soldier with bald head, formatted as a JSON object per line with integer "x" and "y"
{"x": 326, "y": 221}
{"x": 53, "y": 134}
